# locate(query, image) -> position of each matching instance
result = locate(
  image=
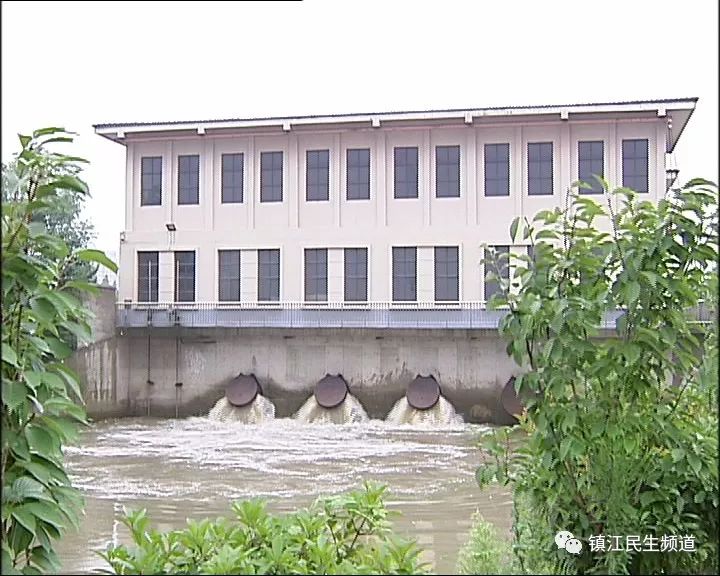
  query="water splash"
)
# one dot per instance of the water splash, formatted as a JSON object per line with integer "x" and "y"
{"x": 442, "y": 414}
{"x": 258, "y": 411}
{"x": 349, "y": 412}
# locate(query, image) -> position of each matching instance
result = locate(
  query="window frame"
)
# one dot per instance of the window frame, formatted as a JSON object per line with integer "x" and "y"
{"x": 145, "y": 192}
{"x": 352, "y": 278}
{"x": 592, "y": 161}
{"x": 317, "y": 175}
{"x": 272, "y": 170}
{"x": 178, "y": 278}
{"x": 154, "y": 283}
{"x": 505, "y": 272}
{"x": 443, "y": 273}
{"x": 232, "y": 278}
{"x": 447, "y": 187}
{"x": 395, "y": 274}
{"x": 489, "y": 182}
{"x": 351, "y": 166}
{"x": 232, "y": 194}
{"x": 315, "y": 275}
{"x": 188, "y": 180}
{"x": 271, "y": 278}
{"x": 635, "y": 159}
{"x": 400, "y": 161}
{"x": 545, "y": 184}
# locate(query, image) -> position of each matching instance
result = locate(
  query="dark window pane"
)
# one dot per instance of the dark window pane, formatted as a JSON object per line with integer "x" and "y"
{"x": 151, "y": 181}
{"x": 316, "y": 275}
{"x": 447, "y": 171}
{"x": 497, "y": 169}
{"x": 271, "y": 176}
{"x": 540, "y": 181}
{"x": 358, "y": 174}
{"x": 404, "y": 272}
{"x": 185, "y": 276}
{"x": 189, "y": 179}
{"x": 269, "y": 275}
{"x": 447, "y": 285}
{"x": 356, "y": 274}
{"x": 635, "y": 164}
{"x": 229, "y": 275}
{"x": 492, "y": 286}
{"x": 591, "y": 161}
{"x": 147, "y": 276}
{"x": 317, "y": 175}
{"x": 406, "y": 172}
{"x": 232, "y": 178}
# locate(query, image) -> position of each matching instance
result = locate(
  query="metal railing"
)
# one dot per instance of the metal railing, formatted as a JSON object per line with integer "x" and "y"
{"x": 290, "y": 314}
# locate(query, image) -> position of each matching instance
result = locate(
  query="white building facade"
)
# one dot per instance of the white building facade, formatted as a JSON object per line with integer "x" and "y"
{"x": 232, "y": 222}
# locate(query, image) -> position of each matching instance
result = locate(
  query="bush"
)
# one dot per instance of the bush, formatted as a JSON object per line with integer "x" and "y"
{"x": 622, "y": 427}
{"x": 348, "y": 534}
{"x": 484, "y": 552}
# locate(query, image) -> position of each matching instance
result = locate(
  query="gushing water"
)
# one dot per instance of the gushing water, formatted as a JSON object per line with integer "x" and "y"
{"x": 442, "y": 414}
{"x": 349, "y": 412}
{"x": 258, "y": 411}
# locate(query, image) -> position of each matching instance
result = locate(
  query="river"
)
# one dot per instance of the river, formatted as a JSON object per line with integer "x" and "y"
{"x": 195, "y": 467}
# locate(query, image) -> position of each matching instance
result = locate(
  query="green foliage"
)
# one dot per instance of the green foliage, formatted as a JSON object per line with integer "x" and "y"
{"x": 348, "y": 534}
{"x": 61, "y": 214}
{"x": 484, "y": 552}
{"x": 621, "y": 426}
{"x": 40, "y": 394}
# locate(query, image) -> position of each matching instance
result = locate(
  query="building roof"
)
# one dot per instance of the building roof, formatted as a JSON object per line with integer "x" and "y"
{"x": 677, "y": 110}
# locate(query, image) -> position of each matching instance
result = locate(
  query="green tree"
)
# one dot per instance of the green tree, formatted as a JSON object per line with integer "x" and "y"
{"x": 41, "y": 398}
{"x": 622, "y": 426}
{"x": 62, "y": 218}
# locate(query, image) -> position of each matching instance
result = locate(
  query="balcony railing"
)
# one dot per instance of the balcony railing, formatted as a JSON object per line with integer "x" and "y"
{"x": 457, "y": 315}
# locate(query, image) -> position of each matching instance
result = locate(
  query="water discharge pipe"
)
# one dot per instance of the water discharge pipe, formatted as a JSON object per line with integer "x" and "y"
{"x": 423, "y": 393}
{"x": 331, "y": 391}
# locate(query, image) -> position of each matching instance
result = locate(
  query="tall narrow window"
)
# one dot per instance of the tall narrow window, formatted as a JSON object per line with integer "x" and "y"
{"x": 406, "y": 172}
{"x": 232, "y": 178}
{"x": 493, "y": 286}
{"x": 635, "y": 164}
{"x": 356, "y": 274}
{"x": 316, "y": 275}
{"x": 151, "y": 181}
{"x": 147, "y": 288}
{"x": 189, "y": 179}
{"x": 447, "y": 285}
{"x": 447, "y": 171}
{"x": 358, "y": 174}
{"x": 229, "y": 275}
{"x": 591, "y": 162}
{"x": 268, "y": 275}
{"x": 404, "y": 271}
{"x": 497, "y": 169}
{"x": 540, "y": 168}
{"x": 185, "y": 276}
{"x": 271, "y": 173}
{"x": 317, "y": 175}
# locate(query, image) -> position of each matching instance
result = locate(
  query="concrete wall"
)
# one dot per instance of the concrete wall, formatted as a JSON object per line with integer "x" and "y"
{"x": 471, "y": 367}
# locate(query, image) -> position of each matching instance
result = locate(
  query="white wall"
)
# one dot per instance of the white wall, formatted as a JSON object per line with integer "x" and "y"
{"x": 378, "y": 223}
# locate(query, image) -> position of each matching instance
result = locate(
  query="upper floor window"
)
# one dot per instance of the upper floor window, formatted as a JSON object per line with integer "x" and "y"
{"x": 502, "y": 254}
{"x": 447, "y": 285}
{"x": 232, "y": 178}
{"x": 404, "y": 274}
{"x": 591, "y": 162}
{"x": 447, "y": 171}
{"x": 635, "y": 164}
{"x": 356, "y": 274}
{"x": 540, "y": 168}
{"x": 147, "y": 289}
{"x": 406, "y": 172}
{"x": 229, "y": 275}
{"x": 269, "y": 275}
{"x": 271, "y": 176}
{"x": 189, "y": 179}
{"x": 316, "y": 274}
{"x": 185, "y": 276}
{"x": 358, "y": 174}
{"x": 151, "y": 181}
{"x": 497, "y": 169}
{"x": 317, "y": 177}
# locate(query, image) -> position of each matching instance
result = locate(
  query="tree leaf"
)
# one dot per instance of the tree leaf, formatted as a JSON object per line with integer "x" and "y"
{"x": 47, "y": 513}
{"x": 90, "y": 255}
{"x": 26, "y": 518}
{"x": 8, "y": 355}
{"x": 13, "y": 393}
{"x": 514, "y": 228}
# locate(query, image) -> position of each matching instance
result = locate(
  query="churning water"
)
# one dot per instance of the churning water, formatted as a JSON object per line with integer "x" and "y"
{"x": 350, "y": 411}
{"x": 258, "y": 411}
{"x": 195, "y": 467}
{"x": 442, "y": 414}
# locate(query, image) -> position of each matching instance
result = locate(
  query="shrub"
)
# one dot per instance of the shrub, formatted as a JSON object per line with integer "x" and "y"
{"x": 622, "y": 427}
{"x": 484, "y": 552}
{"x": 348, "y": 534}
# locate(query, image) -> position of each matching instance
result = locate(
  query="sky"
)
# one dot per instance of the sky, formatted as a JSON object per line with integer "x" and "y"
{"x": 75, "y": 64}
